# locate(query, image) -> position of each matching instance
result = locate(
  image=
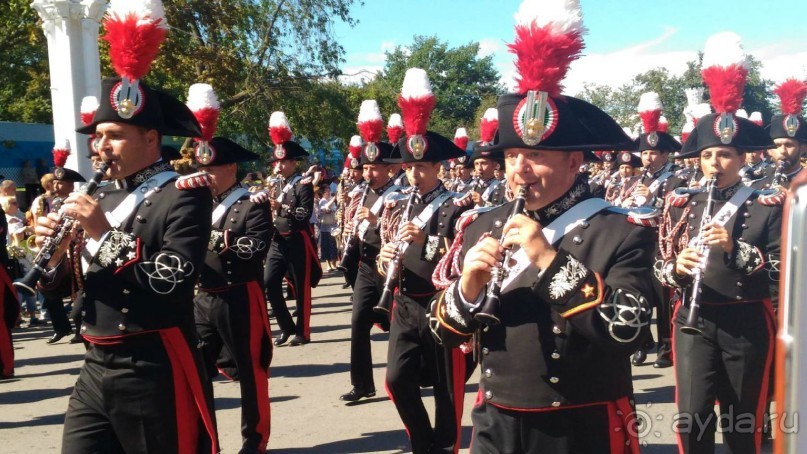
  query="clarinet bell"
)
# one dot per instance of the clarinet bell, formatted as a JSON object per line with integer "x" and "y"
{"x": 488, "y": 312}
{"x": 384, "y": 306}
{"x": 27, "y": 284}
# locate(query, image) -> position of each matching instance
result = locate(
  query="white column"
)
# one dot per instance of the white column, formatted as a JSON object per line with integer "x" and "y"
{"x": 71, "y": 28}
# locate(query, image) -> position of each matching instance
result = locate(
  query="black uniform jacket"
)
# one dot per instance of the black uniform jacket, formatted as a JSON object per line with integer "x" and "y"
{"x": 657, "y": 196}
{"x": 750, "y": 270}
{"x": 495, "y": 197}
{"x": 238, "y": 244}
{"x": 296, "y": 207}
{"x": 372, "y": 239}
{"x": 561, "y": 341}
{"x": 143, "y": 274}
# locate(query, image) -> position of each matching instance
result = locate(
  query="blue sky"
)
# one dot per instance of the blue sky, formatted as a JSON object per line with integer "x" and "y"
{"x": 625, "y": 37}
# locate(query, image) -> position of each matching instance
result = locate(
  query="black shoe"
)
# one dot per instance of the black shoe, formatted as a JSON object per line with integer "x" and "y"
{"x": 271, "y": 313}
{"x": 298, "y": 340}
{"x": 346, "y": 285}
{"x": 639, "y": 357}
{"x": 282, "y": 338}
{"x": 77, "y": 339}
{"x": 662, "y": 362}
{"x": 58, "y": 336}
{"x": 356, "y": 394}
{"x": 35, "y": 321}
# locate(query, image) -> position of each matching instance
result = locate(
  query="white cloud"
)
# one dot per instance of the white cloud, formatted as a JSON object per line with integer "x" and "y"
{"x": 387, "y": 46}
{"x": 490, "y": 46}
{"x": 356, "y": 75}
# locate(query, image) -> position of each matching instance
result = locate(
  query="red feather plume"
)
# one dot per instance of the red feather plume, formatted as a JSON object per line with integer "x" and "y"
{"x": 487, "y": 130}
{"x": 684, "y": 136}
{"x": 355, "y": 151}
{"x": 279, "y": 134}
{"x": 791, "y": 95}
{"x": 133, "y": 47}
{"x": 663, "y": 126}
{"x": 543, "y": 58}
{"x": 208, "y": 119}
{"x": 60, "y": 156}
{"x": 650, "y": 120}
{"x": 416, "y": 113}
{"x": 394, "y": 134}
{"x": 461, "y": 142}
{"x": 726, "y": 85}
{"x": 371, "y": 130}
{"x": 86, "y": 117}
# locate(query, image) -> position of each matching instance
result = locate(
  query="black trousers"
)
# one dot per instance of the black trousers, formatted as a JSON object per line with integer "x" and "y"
{"x": 58, "y": 315}
{"x": 126, "y": 400}
{"x": 366, "y": 293}
{"x": 287, "y": 254}
{"x": 413, "y": 352}
{"x": 583, "y": 430}
{"x": 730, "y": 362}
{"x": 236, "y": 319}
{"x": 351, "y": 269}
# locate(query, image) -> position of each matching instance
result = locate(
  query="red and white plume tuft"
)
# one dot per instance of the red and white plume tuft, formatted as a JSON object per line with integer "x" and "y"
{"x": 756, "y": 118}
{"x": 489, "y": 125}
{"x": 354, "y": 148}
{"x": 416, "y": 101}
{"x": 60, "y": 154}
{"x": 742, "y": 113}
{"x": 394, "y": 128}
{"x": 549, "y": 37}
{"x": 461, "y": 138}
{"x": 700, "y": 110}
{"x": 279, "y": 129}
{"x": 204, "y": 104}
{"x": 663, "y": 124}
{"x": 135, "y": 29}
{"x": 725, "y": 69}
{"x": 791, "y": 94}
{"x": 687, "y": 129}
{"x": 89, "y": 104}
{"x": 650, "y": 111}
{"x": 370, "y": 124}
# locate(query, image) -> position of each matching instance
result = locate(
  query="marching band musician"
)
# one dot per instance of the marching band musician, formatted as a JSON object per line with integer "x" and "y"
{"x": 488, "y": 190}
{"x": 556, "y": 375}
{"x": 464, "y": 181}
{"x": 9, "y": 306}
{"x": 367, "y": 289}
{"x": 349, "y": 187}
{"x": 723, "y": 263}
{"x": 789, "y": 133}
{"x": 293, "y": 248}
{"x": 141, "y": 261}
{"x": 413, "y": 355}
{"x": 230, "y": 307}
{"x": 601, "y": 181}
{"x": 627, "y": 164}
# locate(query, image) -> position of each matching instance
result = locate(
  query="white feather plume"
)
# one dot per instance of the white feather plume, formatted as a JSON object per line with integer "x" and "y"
{"x": 202, "y": 96}
{"x": 89, "y": 104}
{"x": 649, "y": 102}
{"x": 741, "y": 113}
{"x": 395, "y": 120}
{"x": 355, "y": 141}
{"x": 562, "y": 16}
{"x": 694, "y": 96}
{"x": 461, "y": 132}
{"x": 278, "y": 120}
{"x": 491, "y": 114}
{"x": 147, "y": 11}
{"x": 701, "y": 110}
{"x": 756, "y": 117}
{"x": 629, "y": 132}
{"x": 416, "y": 84}
{"x": 369, "y": 111}
{"x": 724, "y": 49}
{"x": 688, "y": 127}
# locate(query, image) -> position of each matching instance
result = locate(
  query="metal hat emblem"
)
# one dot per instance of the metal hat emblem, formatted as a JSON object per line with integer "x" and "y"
{"x": 204, "y": 153}
{"x": 725, "y": 128}
{"x": 417, "y": 145}
{"x": 791, "y": 124}
{"x": 280, "y": 152}
{"x": 127, "y": 98}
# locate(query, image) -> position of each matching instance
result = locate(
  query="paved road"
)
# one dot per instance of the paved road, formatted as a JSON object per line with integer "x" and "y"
{"x": 304, "y": 388}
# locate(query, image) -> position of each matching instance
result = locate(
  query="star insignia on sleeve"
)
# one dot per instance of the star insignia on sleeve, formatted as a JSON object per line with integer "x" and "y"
{"x": 118, "y": 262}
{"x": 131, "y": 255}
{"x": 588, "y": 290}
{"x": 442, "y": 250}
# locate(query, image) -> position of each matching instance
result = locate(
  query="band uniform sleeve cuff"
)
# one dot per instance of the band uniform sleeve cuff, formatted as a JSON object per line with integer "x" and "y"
{"x": 92, "y": 245}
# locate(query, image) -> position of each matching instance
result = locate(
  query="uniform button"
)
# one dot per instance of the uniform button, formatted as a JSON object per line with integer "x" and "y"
{"x": 441, "y": 224}
{"x": 121, "y": 327}
{"x": 229, "y": 262}
{"x": 158, "y": 189}
{"x": 83, "y": 313}
{"x": 585, "y": 224}
{"x": 556, "y": 404}
{"x": 488, "y": 373}
{"x": 740, "y": 239}
{"x": 488, "y": 395}
{"x": 745, "y": 226}
{"x": 235, "y": 209}
{"x": 747, "y": 214}
{"x": 556, "y": 330}
{"x": 83, "y": 329}
{"x": 554, "y": 379}
{"x": 444, "y": 214}
{"x": 229, "y": 283}
{"x": 577, "y": 239}
{"x": 140, "y": 219}
{"x": 691, "y": 216}
{"x": 147, "y": 203}
{"x": 691, "y": 227}
{"x": 749, "y": 203}
{"x": 229, "y": 272}
{"x": 498, "y": 223}
{"x": 101, "y": 195}
{"x": 403, "y": 289}
{"x": 485, "y": 351}
{"x": 232, "y": 219}
{"x": 555, "y": 355}
{"x": 126, "y": 291}
{"x": 125, "y": 310}
{"x": 694, "y": 204}
{"x": 739, "y": 297}
{"x": 739, "y": 284}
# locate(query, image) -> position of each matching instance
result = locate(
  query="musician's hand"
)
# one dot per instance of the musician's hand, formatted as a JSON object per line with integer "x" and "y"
{"x": 410, "y": 233}
{"x": 528, "y": 234}
{"x": 476, "y": 197}
{"x": 46, "y": 227}
{"x": 476, "y": 268}
{"x": 386, "y": 254}
{"x": 641, "y": 191}
{"x": 687, "y": 261}
{"x": 88, "y": 213}
{"x": 365, "y": 213}
{"x": 717, "y": 235}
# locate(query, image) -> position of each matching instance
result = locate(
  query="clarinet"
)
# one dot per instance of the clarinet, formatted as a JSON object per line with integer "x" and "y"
{"x": 353, "y": 241}
{"x": 779, "y": 176}
{"x": 489, "y": 312}
{"x": 27, "y": 284}
{"x": 691, "y": 325}
{"x": 641, "y": 200}
{"x": 384, "y": 305}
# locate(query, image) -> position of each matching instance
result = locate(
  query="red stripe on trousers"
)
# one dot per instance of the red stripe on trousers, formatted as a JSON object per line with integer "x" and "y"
{"x": 392, "y": 398}
{"x": 258, "y": 328}
{"x": 6, "y": 345}
{"x": 623, "y": 427}
{"x": 458, "y": 390}
{"x": 673, "y": 335}
{"x": 763, "y": 392}
{"x": 188, "y": 393}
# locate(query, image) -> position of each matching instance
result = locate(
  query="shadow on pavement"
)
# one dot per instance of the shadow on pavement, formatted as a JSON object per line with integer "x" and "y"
{"x": 32, "y": 395}
{"x": 50, "y": 420}
{"x": 55, "y": 358}
{"x": 228, "y": 403}
{"x": 659, "y": 395}
{"x": 68, "y": 371}
{"x": 308, "y": 370}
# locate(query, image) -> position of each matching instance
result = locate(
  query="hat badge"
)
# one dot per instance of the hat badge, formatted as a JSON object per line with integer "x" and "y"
{"x": 652, "y": 139}
{"x": 725, "y": 127}
{"x": 626, "y": 157}
{"x": 371, "y": 150}
{"x": 280, "y": 152}
{"x": 354, "y": 163}
{"x": 205, "y": 153}
{"x": 417, "y": 145}
{"x": 58, "y": 172}
{"x": 461, "y": 159}
{"x": 535, "y": 114}
{"x": 127, "y": 98}
{"x": 791, "y": 125}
